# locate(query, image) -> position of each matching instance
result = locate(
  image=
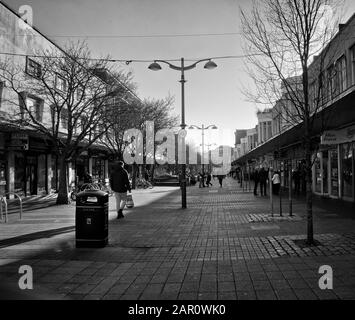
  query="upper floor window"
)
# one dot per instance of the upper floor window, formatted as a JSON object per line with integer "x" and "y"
{"x": 64, "y": 118}
{"x": 341, "y": 74}
{"x": 331, "y": 82}
{"x": 352, "y": 57}
{"x": 60, "y": 83}
{"x": 33, "y": 108}
{"x": 33, "y": 68}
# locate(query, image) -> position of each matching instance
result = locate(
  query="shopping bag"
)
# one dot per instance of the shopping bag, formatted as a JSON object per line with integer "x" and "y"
{"x": 129, "y": 202}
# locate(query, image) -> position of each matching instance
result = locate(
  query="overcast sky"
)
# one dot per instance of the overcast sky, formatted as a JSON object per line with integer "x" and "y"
{"x": 212, "y": 96}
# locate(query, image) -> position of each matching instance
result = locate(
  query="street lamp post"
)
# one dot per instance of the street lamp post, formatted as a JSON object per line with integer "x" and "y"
{"x": 182, "y": 68}
{"x": 203, "y": 128}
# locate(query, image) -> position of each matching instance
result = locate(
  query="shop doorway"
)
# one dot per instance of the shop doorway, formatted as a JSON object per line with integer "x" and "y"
{"x": 31, "y": 175}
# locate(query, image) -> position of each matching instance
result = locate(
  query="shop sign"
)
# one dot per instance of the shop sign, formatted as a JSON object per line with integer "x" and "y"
{"x": 338, "y": 136}
{"x": 19, "y": 141}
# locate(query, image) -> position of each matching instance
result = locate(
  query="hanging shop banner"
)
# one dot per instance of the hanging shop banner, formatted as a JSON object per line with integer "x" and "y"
{"x": 339, "y": 136}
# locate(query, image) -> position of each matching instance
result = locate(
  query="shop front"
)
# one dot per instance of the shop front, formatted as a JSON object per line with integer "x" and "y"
{"x": 333, "y": 171}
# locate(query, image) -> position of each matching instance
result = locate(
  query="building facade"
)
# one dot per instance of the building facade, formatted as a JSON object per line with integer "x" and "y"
{"x": 28, "y": 164}
{"x": 332, "y": 95}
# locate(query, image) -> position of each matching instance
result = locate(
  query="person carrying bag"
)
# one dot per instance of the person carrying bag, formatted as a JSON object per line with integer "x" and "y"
{"x": 120, "y": 184}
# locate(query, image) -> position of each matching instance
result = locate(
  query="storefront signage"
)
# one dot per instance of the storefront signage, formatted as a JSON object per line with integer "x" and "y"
{"x": 338, "y": 136}
{"x": 19, "y": 141}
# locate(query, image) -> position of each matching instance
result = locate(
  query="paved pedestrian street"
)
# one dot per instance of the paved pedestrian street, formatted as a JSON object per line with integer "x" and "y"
{"x": 226, "y": 246}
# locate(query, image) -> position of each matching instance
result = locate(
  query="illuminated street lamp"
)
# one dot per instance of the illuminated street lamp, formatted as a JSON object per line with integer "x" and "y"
{"x": 155, "y": 66}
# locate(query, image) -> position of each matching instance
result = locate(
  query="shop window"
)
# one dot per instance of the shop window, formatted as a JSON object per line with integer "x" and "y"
{"x": 54, "y": 176}
{"x": 347, "y": 170}
{"x": 20, "y": 168}
{"x": 42, "y": 174}
{"x": 334, "y": 173}
{"x": 98, "y": 168}
{"x": 325, "y": 172}
{"x": 318, "y": 174}
{"x": 33, "y": 68}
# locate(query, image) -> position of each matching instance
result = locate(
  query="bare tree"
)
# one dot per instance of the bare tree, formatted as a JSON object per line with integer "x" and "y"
{"x": 73, "y": 102}
{"x": 281, "y": 39}
{"x": 134, "y": 115}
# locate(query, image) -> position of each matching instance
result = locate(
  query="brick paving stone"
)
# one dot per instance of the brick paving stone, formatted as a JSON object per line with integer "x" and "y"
{"x": 190, "y": 286}
{"x": 262, "y": 285}
{"x": 227, "y": 295}
{"x": 246, "y": 295}
{"x": 226, "y": 286}
{"x": 305, "y": 294}
{"x": 345, "y": 292}
{"x": 298, "y": 284}
{"x": 285, "y": 294}
{"x": 207, "y": 296}
{"x": 280, "y": 284}
{"x": 84, "y": 289}
{"x": 265, "y": 295}
{"x": 92, "y": 297}
{"x": 208, "y": 286}
{"x": 188, "y": 295}
{"x": 172, "y": 288}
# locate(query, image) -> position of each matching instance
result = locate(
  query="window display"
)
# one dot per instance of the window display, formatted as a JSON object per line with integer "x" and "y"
{"x": 347, "y": 170}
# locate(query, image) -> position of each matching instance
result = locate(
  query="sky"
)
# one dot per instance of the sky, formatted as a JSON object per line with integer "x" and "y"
{"x": 123, "y": 29}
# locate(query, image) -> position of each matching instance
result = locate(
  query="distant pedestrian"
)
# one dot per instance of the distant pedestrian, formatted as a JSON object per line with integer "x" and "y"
{"x": 208, "y": 180}
{"x": 263, "y": 177}
{"x": 202, "y": 180}
{"x": 220, "y": 180}
{"x": 256, "y": 181}
{"x": 120, "y": 184}
{"x": 87, "y": 177}
{"x": 276, "y": 183}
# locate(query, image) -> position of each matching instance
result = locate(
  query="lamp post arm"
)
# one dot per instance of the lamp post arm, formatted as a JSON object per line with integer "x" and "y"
{"x": 192, "y": 66}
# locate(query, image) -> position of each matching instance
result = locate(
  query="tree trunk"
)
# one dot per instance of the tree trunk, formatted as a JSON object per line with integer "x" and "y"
{"x": 152, "y": 169}
{"x": 63, "y": 183}
{"x": 309, "y": 195}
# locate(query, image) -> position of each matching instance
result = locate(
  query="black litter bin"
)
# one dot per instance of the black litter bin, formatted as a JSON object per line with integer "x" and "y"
{"x": 91, "y": 219}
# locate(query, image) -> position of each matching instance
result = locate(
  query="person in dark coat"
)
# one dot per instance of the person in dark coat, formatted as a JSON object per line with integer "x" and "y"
{"x": 220, "y": 180}
{"x": 87, "y": 177}
{"x": 263, "y": 177}
{"x": 256, "y": 181}
{"x": 202, "y": 180}
{"x": 120, "y": 184}
{"x": 208, "y": 180}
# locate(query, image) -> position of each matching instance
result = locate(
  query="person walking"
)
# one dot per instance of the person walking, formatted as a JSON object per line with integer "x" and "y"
{"x": 202, "y": 180}
{"x": 120, "y": 184}
{"x": 256, "y": 181}
{"x": 276, "y": 183}
{"x": 263, "y": 177}
{"x": 220, "y": 180}
{"x": 208, "y": 180}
